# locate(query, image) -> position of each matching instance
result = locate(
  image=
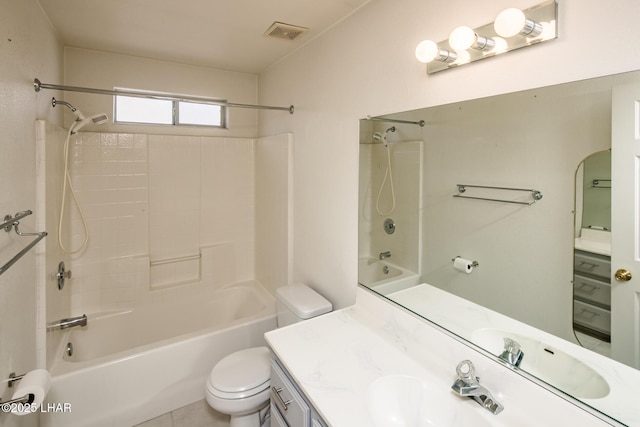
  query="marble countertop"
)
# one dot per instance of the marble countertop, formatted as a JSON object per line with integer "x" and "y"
{"x": 595, "y": 241}
{"x": 336, "y": 357}
{"x": 470, "y": 317}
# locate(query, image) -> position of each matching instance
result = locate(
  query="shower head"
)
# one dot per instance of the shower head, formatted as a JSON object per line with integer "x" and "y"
{"x": 382, "y": 137}
{"x": 96, "y": 119}
{"x": 81, "y": 121}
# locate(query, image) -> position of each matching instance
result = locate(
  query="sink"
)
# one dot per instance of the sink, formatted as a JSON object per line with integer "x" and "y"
{"x": 404, "y": 400}
{"x": 548, "y": 363}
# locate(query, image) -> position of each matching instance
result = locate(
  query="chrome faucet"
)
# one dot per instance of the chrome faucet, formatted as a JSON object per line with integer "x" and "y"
{"x": 384, "y": 255}
{"x": 512, "y": 354}
{"x": 468, "y": 385}
{"x": 67, "y": 323}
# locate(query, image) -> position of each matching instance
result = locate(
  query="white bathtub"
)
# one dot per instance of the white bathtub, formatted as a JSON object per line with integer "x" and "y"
{"x": 384, "y": 277}
{"x": 132, "y": 366}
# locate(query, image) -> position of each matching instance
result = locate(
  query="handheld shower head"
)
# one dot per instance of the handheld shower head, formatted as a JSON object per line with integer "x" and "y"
{"x": 96, "y": 119}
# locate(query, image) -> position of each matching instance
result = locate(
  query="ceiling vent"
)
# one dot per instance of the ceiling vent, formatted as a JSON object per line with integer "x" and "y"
{"x": 284, "y": 31}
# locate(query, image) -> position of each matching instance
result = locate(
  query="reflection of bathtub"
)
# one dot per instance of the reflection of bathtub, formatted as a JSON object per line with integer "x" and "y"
{"x": 132, "y": 366}
{"x": 384, "y": 277}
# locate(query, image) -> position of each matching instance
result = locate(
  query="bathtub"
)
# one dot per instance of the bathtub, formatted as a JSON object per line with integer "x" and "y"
{"x": 130, "y": 366}
{"x": 384, "y": 277}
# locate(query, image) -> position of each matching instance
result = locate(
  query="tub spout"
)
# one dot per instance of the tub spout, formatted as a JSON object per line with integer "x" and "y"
{"x": 67, "y": 323}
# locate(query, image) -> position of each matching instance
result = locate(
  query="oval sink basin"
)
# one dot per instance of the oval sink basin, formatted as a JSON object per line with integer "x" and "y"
{"x": 407, "y": 401}
{"x": 548, "y": 363}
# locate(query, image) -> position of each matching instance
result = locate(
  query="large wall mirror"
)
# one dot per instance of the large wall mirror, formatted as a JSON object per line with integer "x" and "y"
{"x": 493, "y": 220}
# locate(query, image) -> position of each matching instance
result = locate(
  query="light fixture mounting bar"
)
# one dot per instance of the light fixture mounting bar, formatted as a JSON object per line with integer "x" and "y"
{"x": 545, "y": 13}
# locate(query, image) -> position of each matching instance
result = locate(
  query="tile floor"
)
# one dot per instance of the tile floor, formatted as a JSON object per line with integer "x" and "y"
{"x": 198, "y": 414}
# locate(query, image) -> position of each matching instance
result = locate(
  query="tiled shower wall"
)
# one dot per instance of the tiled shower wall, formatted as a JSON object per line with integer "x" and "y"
{"x": 162, "y": 211}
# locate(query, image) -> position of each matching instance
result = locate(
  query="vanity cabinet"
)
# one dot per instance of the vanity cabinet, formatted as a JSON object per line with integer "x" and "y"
{"x": 592, "y": 294}
{"x": 289, "y": 406}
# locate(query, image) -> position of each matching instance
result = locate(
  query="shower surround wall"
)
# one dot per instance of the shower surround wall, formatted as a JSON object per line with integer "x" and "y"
{"x": 162, "y": 211}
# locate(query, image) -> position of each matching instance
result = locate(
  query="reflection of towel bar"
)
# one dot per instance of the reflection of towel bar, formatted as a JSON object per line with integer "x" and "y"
{"x": 535, "y": 194}
{"x": 13, "y": 222}
{"x": 177, "y": 259}
{"x": 598, "y": 183}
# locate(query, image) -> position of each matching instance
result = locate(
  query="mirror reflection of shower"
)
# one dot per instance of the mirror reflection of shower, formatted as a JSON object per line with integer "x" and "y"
{"x": 80, "y": 122}
{"x": 382, "y": 137}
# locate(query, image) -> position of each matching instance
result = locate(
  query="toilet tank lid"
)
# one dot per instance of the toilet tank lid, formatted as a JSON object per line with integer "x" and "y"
{"x": 303, "y": 301}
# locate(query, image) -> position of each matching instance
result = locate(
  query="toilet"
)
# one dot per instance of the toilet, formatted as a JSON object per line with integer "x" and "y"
{"x": 238, "y": 385}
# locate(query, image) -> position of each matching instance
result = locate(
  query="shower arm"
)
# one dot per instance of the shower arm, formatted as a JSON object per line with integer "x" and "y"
{"x": 55, "y": 102}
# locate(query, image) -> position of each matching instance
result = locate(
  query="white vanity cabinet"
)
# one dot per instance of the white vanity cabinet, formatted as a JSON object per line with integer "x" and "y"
{"x": 592, "y": 294}
{"x": 289, "y": 406}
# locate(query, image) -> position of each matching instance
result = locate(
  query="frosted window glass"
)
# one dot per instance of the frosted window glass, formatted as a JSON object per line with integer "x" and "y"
{"x": 143, "y": 110}
{"x": 191, "y": 113}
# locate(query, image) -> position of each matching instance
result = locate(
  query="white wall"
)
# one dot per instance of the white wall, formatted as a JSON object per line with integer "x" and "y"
{"x": 366, "y": 66}
{"x": 101, "y": 70}
{"x": 29, "y": 48}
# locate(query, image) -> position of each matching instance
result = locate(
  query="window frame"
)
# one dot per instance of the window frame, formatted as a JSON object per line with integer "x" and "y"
{"x": 175, "y": 110}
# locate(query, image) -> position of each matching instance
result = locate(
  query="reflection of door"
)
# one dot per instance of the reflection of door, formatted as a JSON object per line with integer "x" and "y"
{"x": 625, "y": 227}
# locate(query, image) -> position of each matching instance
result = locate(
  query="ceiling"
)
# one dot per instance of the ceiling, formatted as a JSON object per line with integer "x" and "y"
{"x": 221, "y": 34}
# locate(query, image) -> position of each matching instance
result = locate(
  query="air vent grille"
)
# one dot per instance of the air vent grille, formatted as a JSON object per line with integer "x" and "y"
{"x": 284, "y": 31}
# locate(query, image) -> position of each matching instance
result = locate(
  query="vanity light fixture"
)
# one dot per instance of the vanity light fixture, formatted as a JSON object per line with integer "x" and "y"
{"x": 512, "y": 21}
{"x": 512, "y": 29}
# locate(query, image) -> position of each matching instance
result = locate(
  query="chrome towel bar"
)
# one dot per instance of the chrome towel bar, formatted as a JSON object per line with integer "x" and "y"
{"x": 13, "y": 222}
{"x": 535, "y": 194}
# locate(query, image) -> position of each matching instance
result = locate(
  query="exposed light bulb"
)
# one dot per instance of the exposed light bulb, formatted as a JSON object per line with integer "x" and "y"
{"x": 427, "y": 51}
{"x": 462, "y": 38}
{"x": 512, "y": 21}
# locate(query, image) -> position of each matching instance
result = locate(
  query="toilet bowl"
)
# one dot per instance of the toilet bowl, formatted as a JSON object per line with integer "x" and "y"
{"x": 238, "y": 385}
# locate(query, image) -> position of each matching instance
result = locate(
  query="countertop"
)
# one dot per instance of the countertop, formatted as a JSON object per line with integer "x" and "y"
{"x": 335, "y": 358}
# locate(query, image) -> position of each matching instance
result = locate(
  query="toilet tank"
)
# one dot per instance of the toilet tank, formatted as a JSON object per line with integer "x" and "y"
{"x": 299, "y": 302}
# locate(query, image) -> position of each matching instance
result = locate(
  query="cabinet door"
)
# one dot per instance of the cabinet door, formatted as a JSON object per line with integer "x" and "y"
{"x": 285, "y": 397}
{"x": 276, "y": 418}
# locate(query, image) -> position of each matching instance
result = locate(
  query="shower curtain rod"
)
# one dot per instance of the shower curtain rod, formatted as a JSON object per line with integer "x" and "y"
{"x": 38, "y": 85}
{"x": 421, "y": 123}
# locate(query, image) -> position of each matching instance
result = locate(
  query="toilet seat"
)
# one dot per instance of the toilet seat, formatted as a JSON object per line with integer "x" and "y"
{"x": 242, "y": 374}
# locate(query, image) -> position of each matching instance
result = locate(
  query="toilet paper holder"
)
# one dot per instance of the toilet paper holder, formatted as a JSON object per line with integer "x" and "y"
{"x": 473, "y": 263}
{"x": 27, "y": 398}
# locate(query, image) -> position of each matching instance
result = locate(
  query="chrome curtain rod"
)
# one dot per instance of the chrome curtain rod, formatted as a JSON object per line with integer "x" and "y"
{"x": 38, "y": 85}
{"x": 421, "y": 123}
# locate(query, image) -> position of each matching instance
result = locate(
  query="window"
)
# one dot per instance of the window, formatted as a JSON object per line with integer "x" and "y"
{"x": 130, "y": 109}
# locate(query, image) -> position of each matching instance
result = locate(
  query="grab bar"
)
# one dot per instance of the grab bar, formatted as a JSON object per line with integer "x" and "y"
{"x": 27, "y": 398}
{"x": 13, "y": 222}
{"x": 535, "y": 194}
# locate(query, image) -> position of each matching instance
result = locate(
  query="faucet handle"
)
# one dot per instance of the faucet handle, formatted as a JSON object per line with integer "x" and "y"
{"x": 467, "y": 373}
{"x": 512, "y": 354}
{"x": 511, "y": 346}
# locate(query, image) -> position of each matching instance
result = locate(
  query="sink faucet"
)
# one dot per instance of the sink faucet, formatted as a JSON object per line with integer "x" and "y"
{"x": 67, "y": 323}
{"x": 468, "y": 385}
{"x": 384, "y": 255}
{"x": 512, "y": 354}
